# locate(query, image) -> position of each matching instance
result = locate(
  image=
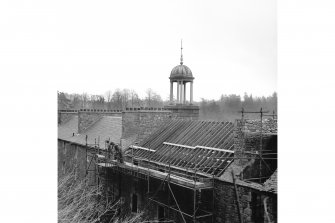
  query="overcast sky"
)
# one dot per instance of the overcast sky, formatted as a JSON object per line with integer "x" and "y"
{"x": 95, "y": 46}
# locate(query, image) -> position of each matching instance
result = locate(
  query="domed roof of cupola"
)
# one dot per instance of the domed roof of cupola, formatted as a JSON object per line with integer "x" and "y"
{"x": 181, "y": 71}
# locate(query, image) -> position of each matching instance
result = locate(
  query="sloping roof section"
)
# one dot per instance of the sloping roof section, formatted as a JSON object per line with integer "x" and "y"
{"x": 67, "y": 129}
{"x": 108, "y": 127}
{"x": 204, "y": 146}
{"x": 271, "y": 183}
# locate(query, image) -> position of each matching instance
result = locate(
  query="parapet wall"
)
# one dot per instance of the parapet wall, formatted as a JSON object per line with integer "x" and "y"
{"x": 186, "y": 112}
{"x": 138, "y": 124}
{"x": 87, "y": 117}
{"x": 64, "y": 116}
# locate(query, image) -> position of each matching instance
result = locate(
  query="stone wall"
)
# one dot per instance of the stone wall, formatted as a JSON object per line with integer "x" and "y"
{"x": 252, "y": 204}
{"x": 138, "y": 124}
{"x": 87, "y": 117}
{"x": 256, "y": 206}
{"x": 268, "y": 125}
{"x": 123, "y": 186}
{"x": 248, "y": 138}
{"x": 64, "y": 116}
{"x": 186, "y": 112}
{"x": 72, "y": 157}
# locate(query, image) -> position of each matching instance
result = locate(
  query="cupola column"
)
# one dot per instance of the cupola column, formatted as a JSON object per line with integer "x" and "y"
{"x": 178, "y": 87}
{"x": 185, "y": 93}
{"x": 183, "y": 84}
{"x": 171, "y": 92}
{"x": 180, "y": 92}
{"x": 191, "y": 92}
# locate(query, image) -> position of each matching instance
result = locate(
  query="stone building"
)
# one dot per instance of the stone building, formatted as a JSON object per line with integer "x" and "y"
{"x": 175, "y": 167}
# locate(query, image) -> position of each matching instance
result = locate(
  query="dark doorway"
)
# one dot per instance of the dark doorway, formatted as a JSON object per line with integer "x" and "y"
{"x": 134, "y": 203}
{"x": 161, "y": 214}
{"x": 257, "y": 208}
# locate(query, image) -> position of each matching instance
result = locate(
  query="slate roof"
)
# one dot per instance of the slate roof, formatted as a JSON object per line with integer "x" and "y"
{"x": 68, "y": 128}
{"x": 203, "y": 145}
{"x": 108, "y": 127}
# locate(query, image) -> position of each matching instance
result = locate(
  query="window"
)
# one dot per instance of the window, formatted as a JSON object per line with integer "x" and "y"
{"x": 161, "y": 214}
{"x": 63, "y": 167}
{"x": 64, "y": 148}
{"x": 134, "y": 203}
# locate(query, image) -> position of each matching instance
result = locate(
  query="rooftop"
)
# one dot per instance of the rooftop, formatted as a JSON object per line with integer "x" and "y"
{"x": 202, "y": 146}
{"x": 181, "y": 72}
{"x": 108, "y": 127}
{"x": 271, "y": 183}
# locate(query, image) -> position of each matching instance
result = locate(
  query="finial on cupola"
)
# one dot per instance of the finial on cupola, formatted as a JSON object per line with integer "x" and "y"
{"x": 181, "y": 57}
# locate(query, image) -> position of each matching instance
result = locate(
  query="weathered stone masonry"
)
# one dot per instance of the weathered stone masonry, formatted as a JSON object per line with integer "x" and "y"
{"x": 87, "y": 117}
{"x": 66, "y": 115}
{"x": 76, "y": 158}
{"x": 251, "y": 203}
{"x": 247, "y": 138}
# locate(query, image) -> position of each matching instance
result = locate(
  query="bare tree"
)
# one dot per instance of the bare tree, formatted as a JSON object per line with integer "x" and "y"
{"x": 108, "y": 95}
{"x": 134, "y": 99}
{"x": 84, "y": 100}
{"x": 63, "y": 100}
{"x": 148, "y": 98}
{"x": 117, "y": 99}
{"x": 125, "y": 98}
{"x": 80, "y": 203}
{"x": 153, "y": 99}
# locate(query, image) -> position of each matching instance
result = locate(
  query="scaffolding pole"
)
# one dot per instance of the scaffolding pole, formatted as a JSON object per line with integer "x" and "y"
{"x": 104, "y": 174}
{"x": 262, "y": 113}
{"x": 237, "y": 198}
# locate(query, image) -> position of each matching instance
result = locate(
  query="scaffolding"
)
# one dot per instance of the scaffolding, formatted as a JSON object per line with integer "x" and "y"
{"x": 92, "y": 157}
{"x": 261, "y": 151}
{"x": 104, "y": 161}
{"x": 98, "y": 177}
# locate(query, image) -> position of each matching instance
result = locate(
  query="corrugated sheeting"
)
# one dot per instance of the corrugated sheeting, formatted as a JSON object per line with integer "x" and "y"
{"x": 181, "y": 144}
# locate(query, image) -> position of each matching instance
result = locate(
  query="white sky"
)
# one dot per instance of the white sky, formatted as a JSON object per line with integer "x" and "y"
{"x": 95, "y": 46}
